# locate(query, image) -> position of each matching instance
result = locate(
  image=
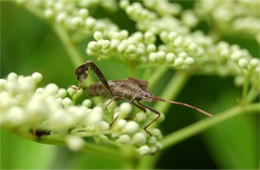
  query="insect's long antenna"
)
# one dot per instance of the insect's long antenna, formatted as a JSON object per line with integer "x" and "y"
{"x": 184, "y": 104}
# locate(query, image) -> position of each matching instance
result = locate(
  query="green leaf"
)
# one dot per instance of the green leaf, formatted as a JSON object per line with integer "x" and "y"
{"x": 23, "y": 154}
{"x": 234, "y": 143}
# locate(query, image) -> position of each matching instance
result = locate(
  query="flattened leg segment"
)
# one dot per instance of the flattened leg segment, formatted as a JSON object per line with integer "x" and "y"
{"x": 82, "y": 74}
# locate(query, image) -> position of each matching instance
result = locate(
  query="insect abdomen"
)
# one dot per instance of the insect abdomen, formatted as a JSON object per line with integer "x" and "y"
{"x": 97, "y": 89}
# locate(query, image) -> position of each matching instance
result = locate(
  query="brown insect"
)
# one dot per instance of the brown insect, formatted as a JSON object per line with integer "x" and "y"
{"x": 132, "y": 89}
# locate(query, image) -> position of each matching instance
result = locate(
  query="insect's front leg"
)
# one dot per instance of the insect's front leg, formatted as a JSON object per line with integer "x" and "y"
{"x": 82, "y": 73}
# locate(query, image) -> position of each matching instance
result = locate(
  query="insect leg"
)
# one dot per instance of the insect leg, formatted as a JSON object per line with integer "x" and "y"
{"x": 99, "y": 74}
{"x": 82, "y": 73}
{"x": 111, "y": 100}
{"x": 153, "y": 110}
{"x": 140, "y": 107}
{"x": 113, "y": 121}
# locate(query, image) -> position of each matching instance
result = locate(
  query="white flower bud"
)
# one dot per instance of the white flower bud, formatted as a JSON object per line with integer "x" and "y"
{"x": 62, "y": 93}
{"x": 152, "y": 140}
{"x": 104, "y": 44}
{"x": 161, "y": 55}
{"x": 131, "y": 10}
{"x": 140, "y": 117}
{"x": 170, "y": 57}
{"x": 164, "y": 36}
{"x": 71, "y": 91}
{"x": 66, "y": 102}
{"x": 7, "y": 100}
{"x": 224, "y": 52}
{"x": 12, "y": 77}
{"x": 151, "y": 48}
{"x": 37, "y": 77}
{"x": 153, "y": 149}
{"x": 95, "y": 116}
{"x": 59, "y": 6}
{"x": 236, "y": 55}
{"x": 16, "y": 115}
{"x": 131, "y": 49}
{"x": 242, "y": 62}
{"x": 3, "y": 84}
{"x": 98, "y": 35}
{"x": 115, "y": 115}
{"x": 131, "y": 127}
{"x": 90, "y": 22}
{"x": 159, "y": 145}
{"x": 156, "y": 132}
{"x": 124, "y": 4}
{"x": 93, "y": 45}
{"x": 87, "y": 103}
{"x": 119, "y": 124}
{"x": 48, "y": 13}
{"x": 75, "y": 143}
{"x": 189, "y": 61}
{"x": 114, "y": 43}
{"x": 144, "y": 150}
{"x": 125, "y": 108}
{"x": 138, "y": 36}
{"x": 123, "y": 34}
{"x": 172, "y": 36}
{"x": 26, "y": 84}
{"x": 123, "y": 139}
{"x": 192, "y": 47}
{"x": 83, "y": 13}
{"x": 51, "y": 89}
{"x": 178, "y": 41}
{"x": 61, "y": 17}
{"x": 254, "y": 62}
{"x": 102, "y": 125}
{"x": 76, "y": 22}
{"x": 121, "y": 47}
{"x": 153, "y": 57}
{"x": 77, "y": 112}
{"x": 149, "y": 37}
{"x": 139, "y": 138}
{"x": 91, "y": 52}
{"x": 178, "y": 62}
{"x": 183, "y": 55}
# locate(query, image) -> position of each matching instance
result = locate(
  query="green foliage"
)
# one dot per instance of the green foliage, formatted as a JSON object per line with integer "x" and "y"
{"x": 150, "y": 41}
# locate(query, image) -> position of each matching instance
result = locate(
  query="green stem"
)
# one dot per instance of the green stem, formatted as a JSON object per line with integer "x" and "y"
{"x": 202, "y": 125}
{"x": 245, "y": 91}
{"x": 252, "y": 95}
{"x": 156, "y": 75}
{"x": 113, "y": 153}
{"x": 68, "y": 45}
{"x": 172, "y": 90}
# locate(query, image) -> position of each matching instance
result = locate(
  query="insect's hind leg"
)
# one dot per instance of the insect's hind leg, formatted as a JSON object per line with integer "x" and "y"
{"x": 154, "y": 120}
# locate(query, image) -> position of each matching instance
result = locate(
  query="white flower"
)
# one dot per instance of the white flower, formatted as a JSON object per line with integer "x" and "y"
{"x": 75, "y": 143}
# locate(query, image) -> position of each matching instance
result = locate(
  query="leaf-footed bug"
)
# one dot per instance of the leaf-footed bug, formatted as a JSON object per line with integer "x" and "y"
{"x": 134, "y": 90}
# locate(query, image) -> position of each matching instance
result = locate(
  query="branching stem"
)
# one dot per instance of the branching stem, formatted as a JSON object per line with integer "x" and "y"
{"x": 205, "y": 124}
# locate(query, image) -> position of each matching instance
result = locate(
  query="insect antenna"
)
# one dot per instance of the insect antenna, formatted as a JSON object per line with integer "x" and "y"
{"x": 184, "y": 104}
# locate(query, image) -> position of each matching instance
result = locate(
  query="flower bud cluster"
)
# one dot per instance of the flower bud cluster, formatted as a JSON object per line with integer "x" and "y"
{"x": 163, "y": 7}
{"x": 140, "y": 47}
{"x": 26, "y": 108}
{"x": 241, "y": 16}
{"x": 148, "y": 20}
{"x": 74, "y": 15}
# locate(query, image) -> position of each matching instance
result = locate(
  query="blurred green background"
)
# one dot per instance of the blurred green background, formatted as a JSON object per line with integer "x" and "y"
{"x": 29, "y": 44}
